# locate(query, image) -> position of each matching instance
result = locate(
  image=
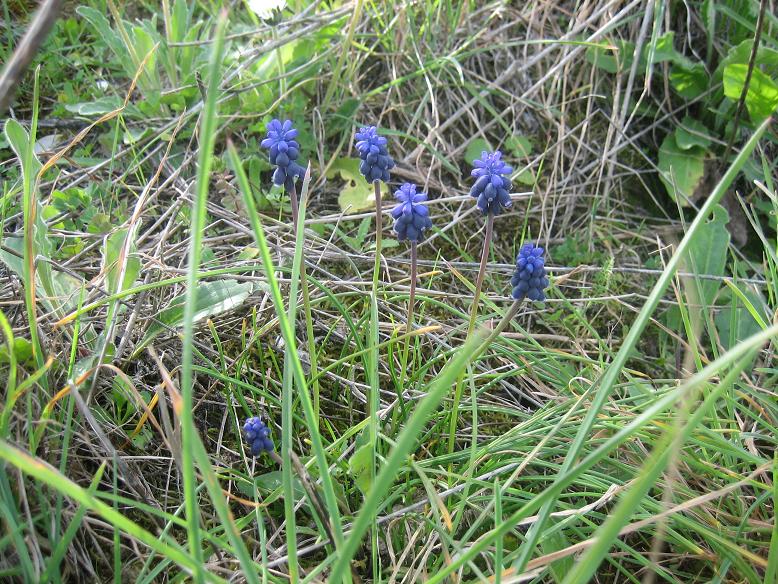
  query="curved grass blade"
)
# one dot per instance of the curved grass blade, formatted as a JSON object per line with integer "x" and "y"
{"x": 612, "y": 373}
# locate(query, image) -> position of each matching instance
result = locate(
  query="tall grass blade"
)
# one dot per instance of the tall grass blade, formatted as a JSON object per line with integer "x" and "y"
{"x": 207, "y": 134}
{"x": 614, "y": 369}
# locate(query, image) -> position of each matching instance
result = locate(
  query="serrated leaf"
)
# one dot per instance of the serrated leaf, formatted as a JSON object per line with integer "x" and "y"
{"x": 680, "y": 170}
{"x": 762, "y": 94}
{"x": 212, "y": 298}
{"x": 692, "y": 133}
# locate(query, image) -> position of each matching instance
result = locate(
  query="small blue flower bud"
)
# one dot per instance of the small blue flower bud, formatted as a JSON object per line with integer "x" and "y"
{"x": 411, "y": 215}
{"x": 283, "y": 152}
{"x": 257, "y": 436}
{"x": 492, "y": 186}
{"x": 529, "y": 280}
{"x": 376, "y": 162}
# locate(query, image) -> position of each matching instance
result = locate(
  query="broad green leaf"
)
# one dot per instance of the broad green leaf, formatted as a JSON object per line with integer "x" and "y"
{"x": 620, "y": 55}
{"x": 734, "y": 322}
{"x": 611, "y": 58}
{"x": 357, "y": 194}
{"x": 105, "y": 34}
{"x": 708, "y": 253}
{"x": 19, "y": 140}
{"x": 57, "y": 290}
{"x": 689, "y": 81}
{"x": 359, "y": 465}
{"x": 474, "y": 150}
{"x": 766, "y": 59}
{"x": 518, "y": 145}
{"x": 691, "y": 133}
{"x": 248, "y": 253}
{"x": 762, "y": 95}
{"x": 111, "y": 262}
{"x": 664, "y": 50}
{"x": 680, "y": 169}
{"x": 526, "y": 177}
{"x": 22, "y": 351}
{"x": 98, "y": 107}
{"x": 271, "y": 482}
{"x": 212, "y": 298}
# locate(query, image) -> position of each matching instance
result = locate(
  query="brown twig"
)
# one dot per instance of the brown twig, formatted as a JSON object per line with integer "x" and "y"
{"x": 751, "y": 64}
{"x": 39, "y": 29}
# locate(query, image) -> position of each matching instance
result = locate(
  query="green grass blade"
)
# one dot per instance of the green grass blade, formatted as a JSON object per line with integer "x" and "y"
{"x": 291, "y": 347}
{"x": 567, "y": 477}
{"x": 208, "y": 126}
{"x": 672, "y": 441}
{"x": 43, "y": 472}
{"x": 406, "y": 441}
{"x": 614, "y": 369}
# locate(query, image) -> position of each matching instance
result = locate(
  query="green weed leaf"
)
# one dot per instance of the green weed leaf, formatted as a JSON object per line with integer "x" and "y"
{"x": 692, "y": 133}
{"x": 762, "y": 95}
{"x": 212, "y": 298}
{"x": 680, "y": 170}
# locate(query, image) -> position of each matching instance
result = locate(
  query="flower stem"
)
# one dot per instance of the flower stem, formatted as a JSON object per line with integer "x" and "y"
{"x": 452, "y": 425}
{"x": 481, "y": 272}
{"x": 295, "y": 205}
{"x": 406, "y": 344}
{"x": 378, "y": 233}
{"x": 412, "y": 295}
{"x": 307, "y": 304}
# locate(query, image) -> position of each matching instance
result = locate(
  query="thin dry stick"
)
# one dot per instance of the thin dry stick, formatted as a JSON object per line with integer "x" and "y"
{"x": 747, "y": 83}
{"x": 25, "y": 51}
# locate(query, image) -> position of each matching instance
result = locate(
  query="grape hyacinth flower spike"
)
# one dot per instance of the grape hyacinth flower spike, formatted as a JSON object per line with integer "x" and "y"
{"x": 530, "y": 280}
{"x": 375, "y": 166}
{"x": 491, "y": 191}
{"x": 492, "y": 186}
{"x": 376, "y": 162}
{"x": 411, "y": 220}
{"x": 284, "y": 150}
{"x": 257, "y": 436}
{"x": 411, "y": 216}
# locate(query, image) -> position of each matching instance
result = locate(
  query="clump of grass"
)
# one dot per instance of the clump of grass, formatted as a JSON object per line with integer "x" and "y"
{"x": 604, "y": 432}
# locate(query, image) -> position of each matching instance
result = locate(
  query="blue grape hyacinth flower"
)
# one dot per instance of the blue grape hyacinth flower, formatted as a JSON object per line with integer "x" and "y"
{"x": 284, "y": 151}
{"x": 411, "y": 215}
{"x": 530, "y": 278}
{"x": 492, "y": 186}
{"x": 376, "y": 162}
{"x": 257, "y": 436}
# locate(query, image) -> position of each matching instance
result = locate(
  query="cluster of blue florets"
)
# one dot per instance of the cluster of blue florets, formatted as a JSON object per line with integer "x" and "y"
{"x": 257, "y": 436}
{"x": 376, "y": 162}
{"x": 411, "y": 215}
{"x": 284, "y": 151}
{"x": 492, "y": 186}
{"x": 529, "y": 280}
